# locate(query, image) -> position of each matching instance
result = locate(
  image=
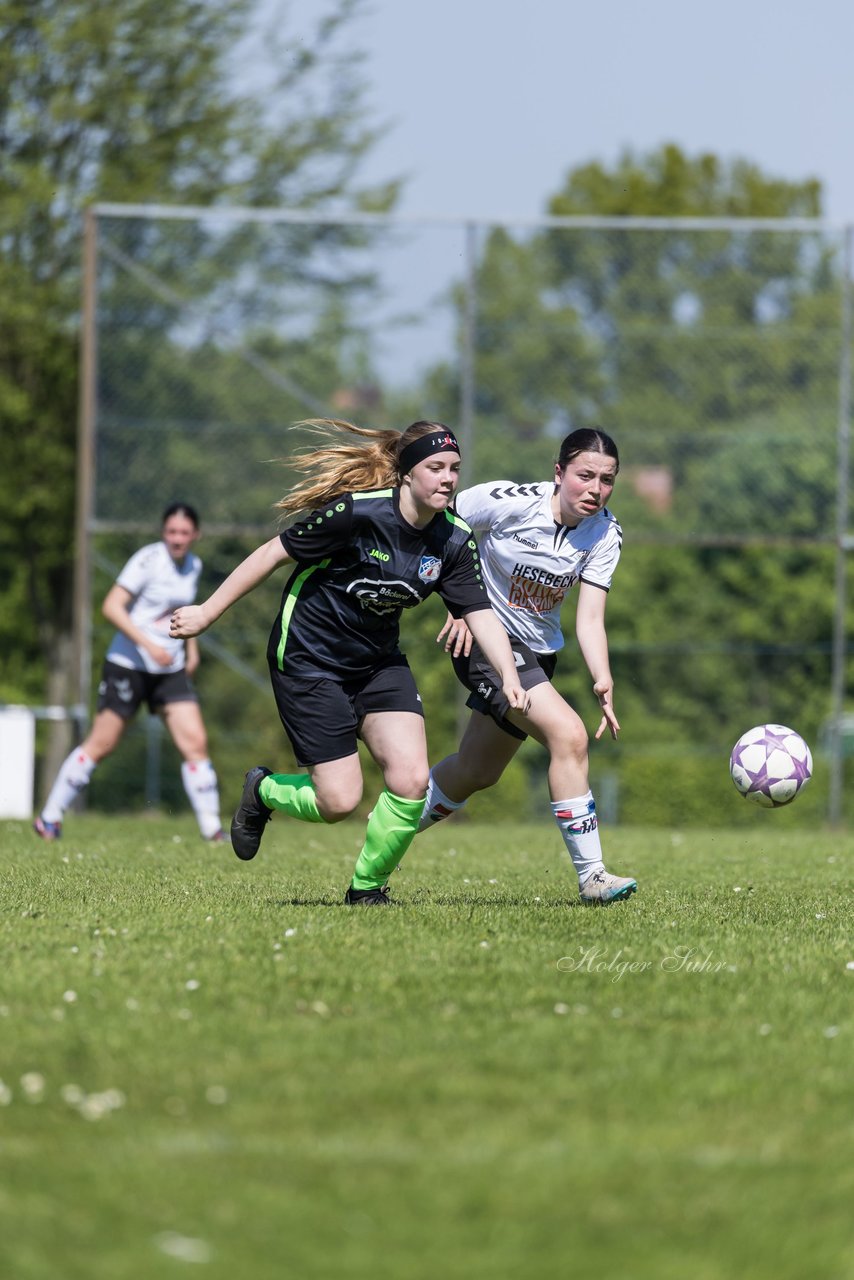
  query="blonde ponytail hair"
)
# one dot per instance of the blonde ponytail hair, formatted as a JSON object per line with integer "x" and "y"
{"x": 336, "y": 468}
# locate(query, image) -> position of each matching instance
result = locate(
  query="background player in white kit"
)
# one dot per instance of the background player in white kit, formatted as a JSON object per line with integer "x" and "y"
{"x": 536, "y": 542}
{"x": 145, "y": 663}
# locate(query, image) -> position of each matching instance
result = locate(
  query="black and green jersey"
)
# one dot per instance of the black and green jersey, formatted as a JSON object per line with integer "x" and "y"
{"x": 358, "y": 565}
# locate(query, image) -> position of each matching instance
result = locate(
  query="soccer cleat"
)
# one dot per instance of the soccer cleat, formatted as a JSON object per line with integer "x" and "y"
{"x": 47, "y": 830}
{"x": 601, "y": 888}
{"x": 247, "y": 825}
{"x": 367, "y": 897}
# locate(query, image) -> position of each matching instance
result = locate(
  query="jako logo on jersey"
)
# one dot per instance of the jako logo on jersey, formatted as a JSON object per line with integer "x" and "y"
{"x": 429, "y": 569}
{"x": 378, "y": 555}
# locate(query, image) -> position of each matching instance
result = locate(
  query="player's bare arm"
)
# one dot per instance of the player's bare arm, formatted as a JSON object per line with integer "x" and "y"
{"x": 593, "y": 643}
{"x": 191, "y": 656}
{"x": 193, "y": 619}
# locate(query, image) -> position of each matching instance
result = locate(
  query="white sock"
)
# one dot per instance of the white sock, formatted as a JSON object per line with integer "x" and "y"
{"x": 72, "y": 778}
{"x": 200, "y": 784}
{"x": 576, "y": 820}
{"x": 436, "y": 805}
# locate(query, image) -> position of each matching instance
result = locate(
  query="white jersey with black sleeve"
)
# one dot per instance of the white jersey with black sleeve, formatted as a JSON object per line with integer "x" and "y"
{"x": 158, "y": 585}
{"x": 530, "y": 562}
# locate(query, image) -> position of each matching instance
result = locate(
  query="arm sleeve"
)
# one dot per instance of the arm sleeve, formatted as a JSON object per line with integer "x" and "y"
{"x": 134, "y": 575}
{"x": 603, "y": 559}
{"x": 461, "y": 586}
{"x": 477, "y": 506}
{"x": 322, "y": 532}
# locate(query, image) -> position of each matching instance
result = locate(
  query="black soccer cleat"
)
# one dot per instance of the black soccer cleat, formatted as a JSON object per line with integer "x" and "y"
{"x": 248, "y": 823}
{"x": 367, "y": 897}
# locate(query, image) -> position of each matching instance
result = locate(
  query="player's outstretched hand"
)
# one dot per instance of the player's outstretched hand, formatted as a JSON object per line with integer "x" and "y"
{"x": 609, "y": 721}
{"x": 187, "y": 621}
{"x": 457, "y": 637}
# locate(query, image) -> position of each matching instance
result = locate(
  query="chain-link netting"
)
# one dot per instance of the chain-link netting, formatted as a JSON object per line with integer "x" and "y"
{"x": 714, "y": 354}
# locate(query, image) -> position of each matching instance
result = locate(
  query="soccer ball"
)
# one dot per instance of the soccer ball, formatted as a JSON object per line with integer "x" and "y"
{"x": 770, "y": 765}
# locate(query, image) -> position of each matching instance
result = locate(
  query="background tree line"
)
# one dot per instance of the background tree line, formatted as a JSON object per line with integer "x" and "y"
{"x": 713, "y": 360}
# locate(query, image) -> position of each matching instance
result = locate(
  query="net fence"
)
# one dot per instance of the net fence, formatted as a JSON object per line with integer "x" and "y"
{"x": 717, "y": 354}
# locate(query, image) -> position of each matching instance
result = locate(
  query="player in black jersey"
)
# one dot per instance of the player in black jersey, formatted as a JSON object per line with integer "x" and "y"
{"x": 380, "y": 538}
{"x": 537, "y": 542}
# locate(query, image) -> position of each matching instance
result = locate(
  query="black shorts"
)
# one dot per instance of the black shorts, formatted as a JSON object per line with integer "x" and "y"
{"x": 123, "y": 689}
{"x": 322, "y": 716}
{"x": 487, "y": 695}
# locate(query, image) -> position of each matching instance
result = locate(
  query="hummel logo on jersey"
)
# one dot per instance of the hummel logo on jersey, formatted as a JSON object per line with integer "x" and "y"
{"x": 516, "y": 490}
{"x": 526, "y": 542}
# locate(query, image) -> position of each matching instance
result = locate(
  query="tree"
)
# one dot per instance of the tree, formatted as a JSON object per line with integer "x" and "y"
{"x": 678, "y": 307}
{"x": 131, "y": 100}
{"x": 712, "y": 356}
{"x": 536, "y": 369}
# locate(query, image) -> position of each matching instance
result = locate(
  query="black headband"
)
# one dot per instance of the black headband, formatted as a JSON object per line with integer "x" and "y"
{"x": 423, "y": 447}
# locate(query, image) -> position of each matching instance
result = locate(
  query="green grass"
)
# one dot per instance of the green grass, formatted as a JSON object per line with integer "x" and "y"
{"x": 488, "y": 1080}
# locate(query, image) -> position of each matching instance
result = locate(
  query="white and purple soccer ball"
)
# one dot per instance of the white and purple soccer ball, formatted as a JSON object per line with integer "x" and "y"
{"x": 770, "y": 765}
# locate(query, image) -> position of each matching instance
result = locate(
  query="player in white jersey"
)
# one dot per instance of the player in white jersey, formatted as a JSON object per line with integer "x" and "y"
{"x": 145, "y": 663}
{"x": 537, "y": 542}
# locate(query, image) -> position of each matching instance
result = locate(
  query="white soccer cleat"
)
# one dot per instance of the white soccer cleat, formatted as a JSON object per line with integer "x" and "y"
{"x": 601, "y": 888}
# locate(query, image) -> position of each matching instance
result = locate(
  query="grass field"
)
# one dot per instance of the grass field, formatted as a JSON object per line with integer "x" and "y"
{"x": 216, "y": 1065}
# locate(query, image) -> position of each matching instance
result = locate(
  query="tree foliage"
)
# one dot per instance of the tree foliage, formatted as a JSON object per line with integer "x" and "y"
{"x": 134, "y": 100}
{"x": 712, "y": 356}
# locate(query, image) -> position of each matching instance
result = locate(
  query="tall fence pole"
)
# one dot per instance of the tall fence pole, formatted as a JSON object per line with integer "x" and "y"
{"x": 85, "y": 467}
{"x": 843, "y": 543}
{"x": 465, "y": 429}
{"x": 467, "y": 356}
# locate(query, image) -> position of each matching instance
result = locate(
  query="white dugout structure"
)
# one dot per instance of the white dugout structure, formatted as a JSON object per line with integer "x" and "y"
{"x": 206, "y": 331}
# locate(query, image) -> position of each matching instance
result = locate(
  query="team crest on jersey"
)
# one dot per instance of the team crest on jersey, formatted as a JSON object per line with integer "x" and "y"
{"x": 429, "y": 569}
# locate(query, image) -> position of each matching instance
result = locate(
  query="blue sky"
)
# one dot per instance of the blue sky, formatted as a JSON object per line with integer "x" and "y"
{"x": 492, "y": 101}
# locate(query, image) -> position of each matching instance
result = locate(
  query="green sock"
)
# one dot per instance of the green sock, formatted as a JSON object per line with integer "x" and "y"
{"x": 391, "y": 828}
{"x": 291, "y": 793}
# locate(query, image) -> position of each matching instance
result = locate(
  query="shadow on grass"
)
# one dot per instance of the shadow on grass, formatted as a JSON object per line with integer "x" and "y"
{"x": 424, "y": 898}
{"x": 306, "y": 900}
{"x": 461, "y": 901}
